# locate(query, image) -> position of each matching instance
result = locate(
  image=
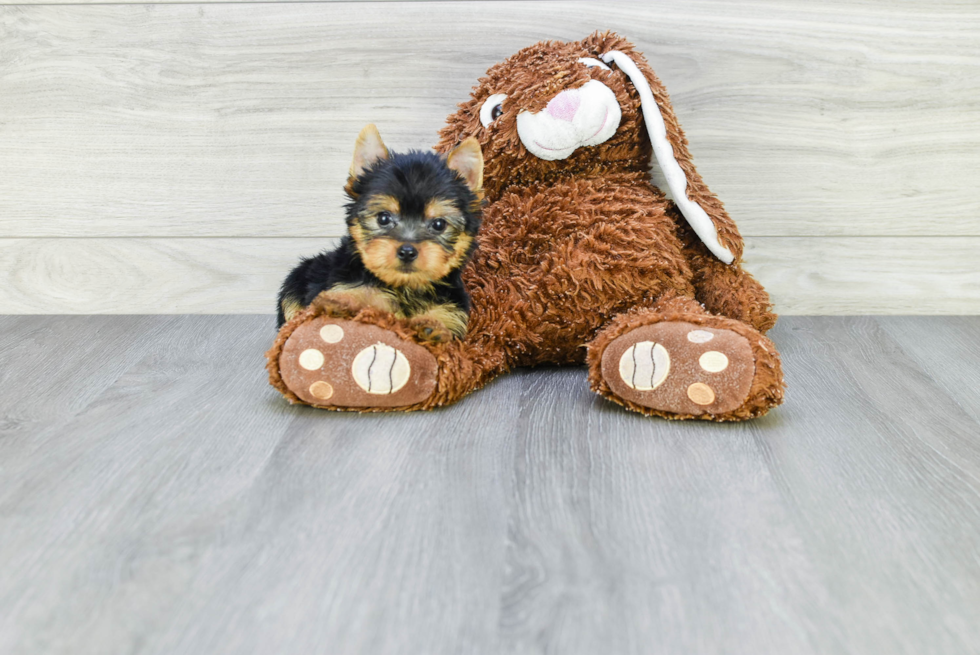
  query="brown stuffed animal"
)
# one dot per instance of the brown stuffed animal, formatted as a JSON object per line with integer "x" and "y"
{"x": 580, "y": 259}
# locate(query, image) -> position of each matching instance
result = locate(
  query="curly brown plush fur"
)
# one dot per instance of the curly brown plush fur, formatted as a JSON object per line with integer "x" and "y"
{"x": 578, "y": 252}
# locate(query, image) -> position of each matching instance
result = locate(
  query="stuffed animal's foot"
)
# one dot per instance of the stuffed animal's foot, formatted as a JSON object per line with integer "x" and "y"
{"x": 336, "y": 363}
{"x": 681, "y": 369}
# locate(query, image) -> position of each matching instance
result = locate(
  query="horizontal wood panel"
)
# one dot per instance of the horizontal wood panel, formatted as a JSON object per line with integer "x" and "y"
{"x": 810, "y": 275}
{"x": 237, "y": 120}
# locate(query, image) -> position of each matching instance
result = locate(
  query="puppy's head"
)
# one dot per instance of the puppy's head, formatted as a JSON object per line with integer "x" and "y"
{"x": 413, "y": 216}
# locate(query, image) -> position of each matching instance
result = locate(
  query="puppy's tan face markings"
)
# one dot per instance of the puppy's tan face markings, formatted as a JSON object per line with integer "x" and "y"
{"x": 440, "y": 208}
{"x": 440, "y": 238}
{"x": 381, "y": 202}
{"x": 379, "y": 213}
{"x": 464, "y": 245}
{"x": 380, "y": 256}
{"x": 433, "y": 260}
{"x": 455, "y": 223}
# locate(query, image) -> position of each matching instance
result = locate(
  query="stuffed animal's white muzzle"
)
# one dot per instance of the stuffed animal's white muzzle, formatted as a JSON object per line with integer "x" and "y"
{"x": 586, "y": 116}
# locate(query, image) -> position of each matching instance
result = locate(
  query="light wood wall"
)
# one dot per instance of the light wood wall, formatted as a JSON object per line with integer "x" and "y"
{"x": 181, "y": 157}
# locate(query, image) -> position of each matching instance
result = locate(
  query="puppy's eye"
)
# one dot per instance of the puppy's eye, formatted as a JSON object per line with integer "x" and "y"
{"x": 384, "y": 219}
{"x": 492, "y": 109}
{"x": 438, "y": 225}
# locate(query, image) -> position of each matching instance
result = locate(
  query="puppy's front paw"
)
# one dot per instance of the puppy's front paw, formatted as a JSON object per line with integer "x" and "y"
{"x": 346, "y": 301}
{"x": 336, "y": 305}
{"x": 431, "y": 330}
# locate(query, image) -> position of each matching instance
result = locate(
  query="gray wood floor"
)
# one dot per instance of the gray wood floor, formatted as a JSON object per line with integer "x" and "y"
{"x": 156, "y": 496}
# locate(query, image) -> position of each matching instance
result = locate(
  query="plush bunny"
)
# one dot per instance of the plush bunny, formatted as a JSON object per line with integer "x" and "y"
{"x": 580, "y": 259}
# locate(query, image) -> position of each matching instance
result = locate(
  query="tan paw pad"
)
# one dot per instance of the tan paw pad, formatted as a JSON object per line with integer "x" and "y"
{"x": 311, "y": 359}
{"x": 644, "y": 366}
{"x": 699, "y": 336}
{"x": 321, "y": 390}
{"x": 713, "y": 361}
{"x": 332, "y": 333}
{"x": 380, "y": 369}
{"x": 701, "y": 393}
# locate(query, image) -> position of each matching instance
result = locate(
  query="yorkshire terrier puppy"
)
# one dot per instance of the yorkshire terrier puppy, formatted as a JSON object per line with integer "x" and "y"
{"x": 412, "y": 222}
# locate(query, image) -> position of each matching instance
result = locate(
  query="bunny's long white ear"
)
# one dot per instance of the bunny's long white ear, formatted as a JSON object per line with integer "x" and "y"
{"x": 699, "y": 220}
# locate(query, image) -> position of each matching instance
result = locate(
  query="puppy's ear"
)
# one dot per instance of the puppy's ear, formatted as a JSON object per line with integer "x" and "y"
{"x": 368, "y": 149}
{"x": 467, "y": 160}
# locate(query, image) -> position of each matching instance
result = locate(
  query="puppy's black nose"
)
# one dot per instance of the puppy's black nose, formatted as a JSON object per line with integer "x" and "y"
{"x": 407, "y": 253}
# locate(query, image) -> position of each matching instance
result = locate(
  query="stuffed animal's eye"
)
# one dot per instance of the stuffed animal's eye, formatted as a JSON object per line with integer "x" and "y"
{"x": 492, "y": 109}
{"x": 592, "y": 63}
{"x": 384, "y": 219}
{"x": 438, "y": 225}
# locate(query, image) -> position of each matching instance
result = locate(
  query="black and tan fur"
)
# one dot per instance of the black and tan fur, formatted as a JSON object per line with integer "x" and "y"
{"x": 412, "y": 222}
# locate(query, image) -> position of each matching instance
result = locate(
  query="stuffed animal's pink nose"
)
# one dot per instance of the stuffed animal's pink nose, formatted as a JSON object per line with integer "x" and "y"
{"x": 564, "y": 105}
